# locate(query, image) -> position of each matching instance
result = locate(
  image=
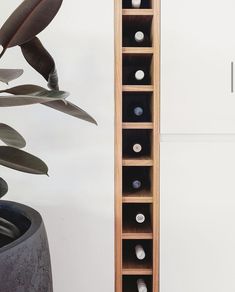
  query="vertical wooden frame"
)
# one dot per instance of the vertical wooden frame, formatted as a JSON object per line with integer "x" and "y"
{"x": 154, "y": 160}
{"x": 118, "y": 145}
{"x": 156, "y": 143}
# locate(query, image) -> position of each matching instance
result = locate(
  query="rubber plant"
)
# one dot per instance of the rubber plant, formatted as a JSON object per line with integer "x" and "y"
{"x": 21, "y": 30}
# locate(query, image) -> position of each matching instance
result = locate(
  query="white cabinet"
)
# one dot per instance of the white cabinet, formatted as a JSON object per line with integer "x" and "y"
{"x": 197, "y": 217}
{"x": 197, "y": 48}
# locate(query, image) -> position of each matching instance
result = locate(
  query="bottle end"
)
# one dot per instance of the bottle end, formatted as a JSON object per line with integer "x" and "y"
{"x": 139, "y": 75}
{"x": 139, "y": 36}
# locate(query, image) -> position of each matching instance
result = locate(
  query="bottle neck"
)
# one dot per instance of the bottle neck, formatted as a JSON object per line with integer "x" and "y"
{"x": 136, "y": 3}
{"x": 136, "y": 184}
{"x": 138, "y": 111}
{"x": 137, "y": 148}
{"x": 139, "y": 75}
{"x": 139, "y": 36}
{"x": 141, "y": 285}
{"x": 140, "y": 253}
{"x": 140, "y": 218}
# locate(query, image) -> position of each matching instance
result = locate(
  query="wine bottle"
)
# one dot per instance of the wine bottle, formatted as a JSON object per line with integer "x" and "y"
{"x": 140, "y": 253}
{"x": 139, "y": 75}
{"x": 138, "y": 111}
{"x": 139, "y": 36}
{"x": 141, "y": 285}
{"x": 136, "y": 184}
{"x": 140, "y": 218}
{"x": 136, "y": 3}
{"x": 137, "y": 148}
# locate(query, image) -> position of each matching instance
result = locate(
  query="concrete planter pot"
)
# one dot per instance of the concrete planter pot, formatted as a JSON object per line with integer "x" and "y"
{"x": 25, "y": 263}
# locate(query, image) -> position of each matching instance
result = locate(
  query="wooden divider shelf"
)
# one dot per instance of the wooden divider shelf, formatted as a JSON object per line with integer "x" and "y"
{"x": 137, "y": 50}
{"x": 137, "y": 88}
{"x": 128, "y": 199}
{"x": 142, "y": 12}
{"x": 137, "y": 126}
{"x": 137, "y": 143}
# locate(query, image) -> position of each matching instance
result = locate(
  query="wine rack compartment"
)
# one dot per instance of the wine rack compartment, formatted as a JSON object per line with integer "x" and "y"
{"x": 137, "y": 218}
{"x": 145, "y": 4}
{"x": 136, "y": 181}
{"x": 137, "y": 31}
{"x": 137, "y": 254}
{"x": 137, "y": 107}
{"x": 135, "y": 283}
{"x": 137, "y": 69}
{"x": 136, "y": 144}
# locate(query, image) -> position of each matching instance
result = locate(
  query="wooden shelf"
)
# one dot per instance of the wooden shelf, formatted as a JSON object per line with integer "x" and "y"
{"x": 137, "y": 50}
{"x": 141, "y": 12}
{"x": 131, "y": 235}
{"x": 137, "y": 125}
{"x": 137, "y": 162}
{"x": 137, "y": 271}
{"x": 137, "y": 88}
{"x": 136, "y": 199}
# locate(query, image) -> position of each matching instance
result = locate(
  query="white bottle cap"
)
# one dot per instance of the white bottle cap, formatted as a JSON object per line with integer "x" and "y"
{"x": 139, "y": 75}
{"x": 140, "y": 218}
{"x": 136, "y": 3}
{"x": 139, "y": 36}
{"x": 140, "y": 253}
{"x": 141, "y": 286}
{"x": 137, "y": 148}
{"x": 136, "y": 184}
{"x": 138, "y": 111}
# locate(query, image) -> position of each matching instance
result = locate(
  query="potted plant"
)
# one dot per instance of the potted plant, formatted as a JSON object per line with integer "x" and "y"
{"x": 24, "y": 253}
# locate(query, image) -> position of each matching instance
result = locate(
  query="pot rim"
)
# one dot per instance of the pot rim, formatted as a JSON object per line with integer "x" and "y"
{"x": 32, "y": 215}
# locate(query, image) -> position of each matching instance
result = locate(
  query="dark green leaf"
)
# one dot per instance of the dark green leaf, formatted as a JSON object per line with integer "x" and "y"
{"x": 30, "y": 94}
{"x": 39, "y": 58}
{"x": 7, "y": 75}
{"x": 71, "y": 109}
{"x": 3, "y": 187}
{"x": 38, "y": 91}
{"x": 26, "y": 89}
{"x": 29, "y": 19}
{"x": 11, "y": 137}
{"x": 60, "y": 105}
{"x": 21, "y": 161}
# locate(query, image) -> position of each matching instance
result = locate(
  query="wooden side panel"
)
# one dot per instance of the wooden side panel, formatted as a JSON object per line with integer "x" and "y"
{"x": 118, "y": 145}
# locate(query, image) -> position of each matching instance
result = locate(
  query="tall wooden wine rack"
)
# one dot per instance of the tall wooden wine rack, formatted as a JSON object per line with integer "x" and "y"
{"x": 143, "y": 165}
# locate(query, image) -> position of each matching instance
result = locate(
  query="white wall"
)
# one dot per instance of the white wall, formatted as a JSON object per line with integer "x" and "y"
{"x": 77, "y": 201}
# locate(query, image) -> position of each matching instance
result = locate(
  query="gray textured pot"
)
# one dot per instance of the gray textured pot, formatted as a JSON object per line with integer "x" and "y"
{"x": 25, "y": 263}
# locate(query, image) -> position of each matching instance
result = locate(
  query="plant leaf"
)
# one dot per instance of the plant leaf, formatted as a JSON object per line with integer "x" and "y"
{"x": 39, "y": 58}
{"x": 11, "y": 137}
{"x": 22, "y": 161}
{"x": 28, "y": 20}
{"x": 30, "y": 94}
{"x": 7, "y": 75}
{"x": 3, "y": 187}
{"x": 70, "y": 109}
{"x": 27, "y": 89}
